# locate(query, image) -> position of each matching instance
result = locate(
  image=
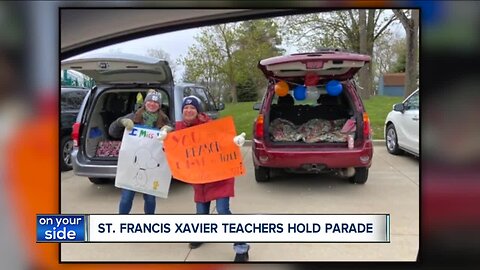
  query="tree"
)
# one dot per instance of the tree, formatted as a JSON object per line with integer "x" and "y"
{"x": 203, "y": 64}
{"x": 365, "y": 74}
{"x": 352, "y": 30}
{"x": 226, "y": 55}
{"x": 227, "y": 35}
{"x": 247, "y": 90}
{"x": 210, "y": 62}
{"x": 161, "y": 54}
{"x": 256, "y": 40}
{"x": 410, "y": 22}
{"x": 401, "y": 56}
{"x": 389, "y": 51}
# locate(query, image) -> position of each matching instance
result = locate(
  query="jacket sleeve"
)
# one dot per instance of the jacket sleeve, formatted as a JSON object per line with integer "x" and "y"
{"x": 116, "y": 128}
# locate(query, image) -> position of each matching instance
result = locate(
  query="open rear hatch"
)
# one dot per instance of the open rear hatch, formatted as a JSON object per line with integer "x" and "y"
{"x": 327, "y": 65}
{"x": 125, "y": 76}
{"x": 322, "y": 120}
{"x": 120, "y": 68}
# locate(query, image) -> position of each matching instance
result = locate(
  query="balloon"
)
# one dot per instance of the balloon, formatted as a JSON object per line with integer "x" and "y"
{"x": 311, "y": 79}
{"x": 281, "y": 88}
{"x": 300, "y": 92}
{"x": 334, "y": 88}
{"x": 313, "y": 93}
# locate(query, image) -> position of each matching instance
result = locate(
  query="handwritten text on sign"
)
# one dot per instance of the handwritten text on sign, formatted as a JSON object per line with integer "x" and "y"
{"x": 204, "y": 153}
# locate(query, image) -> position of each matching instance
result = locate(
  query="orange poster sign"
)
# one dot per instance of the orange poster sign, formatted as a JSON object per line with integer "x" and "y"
{"x": 204, "y": 153}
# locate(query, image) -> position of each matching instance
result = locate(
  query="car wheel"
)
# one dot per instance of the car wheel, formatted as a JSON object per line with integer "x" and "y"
{"x": 262, "y": 174}
{"x": 360, "y": 177}
{"x": 99, "y": 181}
{"x": 66, "y": 147}
{"x": 391, "y": 140}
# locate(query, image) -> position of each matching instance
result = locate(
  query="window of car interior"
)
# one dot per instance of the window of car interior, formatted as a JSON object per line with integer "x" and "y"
{"x": 202, "y": 95}
{"x": 413, "y": 102}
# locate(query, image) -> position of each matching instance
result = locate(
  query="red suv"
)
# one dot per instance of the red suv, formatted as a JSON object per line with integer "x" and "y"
{"x": 321, "y": 129}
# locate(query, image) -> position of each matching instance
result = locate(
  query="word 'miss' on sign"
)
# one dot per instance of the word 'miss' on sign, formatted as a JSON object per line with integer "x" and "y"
{"x": 204, "y": 153}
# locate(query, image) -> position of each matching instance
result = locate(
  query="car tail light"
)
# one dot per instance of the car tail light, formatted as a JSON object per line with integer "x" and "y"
{"x": 75, "y": 133}
{"x": 367, "y": 131}
{"x": 259, "y": 127}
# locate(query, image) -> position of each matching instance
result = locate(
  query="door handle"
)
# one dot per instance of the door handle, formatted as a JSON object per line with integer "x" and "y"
{"x": 415, "y": 118}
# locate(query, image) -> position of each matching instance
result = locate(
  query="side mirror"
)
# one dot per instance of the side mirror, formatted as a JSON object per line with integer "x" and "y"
{"x": 398, "y": 107}
{"x": 257, "y": 106}
{"x": 220, "y": 106}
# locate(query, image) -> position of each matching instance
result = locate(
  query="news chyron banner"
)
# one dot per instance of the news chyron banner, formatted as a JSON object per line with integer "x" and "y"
{"x": 284, "y": 228}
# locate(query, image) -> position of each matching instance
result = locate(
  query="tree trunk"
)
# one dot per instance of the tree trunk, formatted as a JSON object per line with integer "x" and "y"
{"x": 230, "y": 75}
{"x": 370, "y": 42}
{"x": 231, "y": 78}
{"x": 411, "y": 71}
{"x": 411, "y": 30}
{"x": 363, "y": 74}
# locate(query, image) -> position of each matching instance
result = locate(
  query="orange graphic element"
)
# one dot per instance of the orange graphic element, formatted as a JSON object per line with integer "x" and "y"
{"x": 204, "y": 153}
{"x": 32, "y": 188}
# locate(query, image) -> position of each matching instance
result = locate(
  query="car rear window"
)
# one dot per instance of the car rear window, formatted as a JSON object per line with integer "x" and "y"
{"x": 72, "y": 100}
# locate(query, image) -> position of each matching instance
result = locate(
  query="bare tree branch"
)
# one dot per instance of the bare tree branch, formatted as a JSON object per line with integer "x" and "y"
{"x": 384, "y": 27}
{"x": 402, "y": 17}
{"x": 354, "y": 23}
{"x": 378, "y": 16}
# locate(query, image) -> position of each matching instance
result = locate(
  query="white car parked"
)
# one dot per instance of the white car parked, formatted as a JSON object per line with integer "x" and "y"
{"x": 401, "y": 126}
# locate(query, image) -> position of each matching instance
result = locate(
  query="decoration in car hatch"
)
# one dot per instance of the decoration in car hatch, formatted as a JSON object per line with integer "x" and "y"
{"x": 281, "y": 88}
{"x": 334, "y": 88}
{"x": 311, "y": 79}
{"x": 313, "y": 92}
{"x": 300, "y": 92}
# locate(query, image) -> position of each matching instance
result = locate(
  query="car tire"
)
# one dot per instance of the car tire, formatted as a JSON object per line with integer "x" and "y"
{"x": 360, "y": 177}
{"x": 99, "y": 181}
{"x": 262, "y": 174}
{"x": 66, "y": 147}
{"x": 391, "y": 140}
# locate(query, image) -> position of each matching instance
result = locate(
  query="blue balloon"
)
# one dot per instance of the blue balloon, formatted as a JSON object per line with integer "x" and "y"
{"x": 300, "y": 92}
{"x": 334, "y": 88}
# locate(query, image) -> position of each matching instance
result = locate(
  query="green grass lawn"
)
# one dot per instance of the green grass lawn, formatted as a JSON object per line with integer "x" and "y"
{"x": 243, "y": 116}
{"x": 377, "y": 108}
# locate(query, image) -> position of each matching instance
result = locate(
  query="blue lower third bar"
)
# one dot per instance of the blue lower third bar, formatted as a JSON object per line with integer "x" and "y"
{"x": 61, "y": 228}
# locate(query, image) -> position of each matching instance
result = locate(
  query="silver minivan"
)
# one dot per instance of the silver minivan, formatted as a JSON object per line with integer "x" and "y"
{"x": 122, "y": 81}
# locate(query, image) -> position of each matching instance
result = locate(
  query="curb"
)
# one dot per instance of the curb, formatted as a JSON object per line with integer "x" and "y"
{"x": 375, "y": 142}
{"x": 378, "y": 142}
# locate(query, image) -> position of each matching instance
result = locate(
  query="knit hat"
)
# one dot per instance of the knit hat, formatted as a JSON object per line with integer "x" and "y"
{"x": 155, "y": 97}
{"x": 192, "y": 100}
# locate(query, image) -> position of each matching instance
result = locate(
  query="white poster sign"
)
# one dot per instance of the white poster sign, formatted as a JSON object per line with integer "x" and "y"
{"x": 142, "y": 165}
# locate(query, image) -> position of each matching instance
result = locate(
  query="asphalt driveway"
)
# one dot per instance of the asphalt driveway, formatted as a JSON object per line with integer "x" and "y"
{"x": 392, "y": 188}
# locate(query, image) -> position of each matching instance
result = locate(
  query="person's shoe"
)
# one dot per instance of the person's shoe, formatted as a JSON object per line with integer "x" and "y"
{"x": 241, "y": 257}
{"x": 195, "y": 245}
